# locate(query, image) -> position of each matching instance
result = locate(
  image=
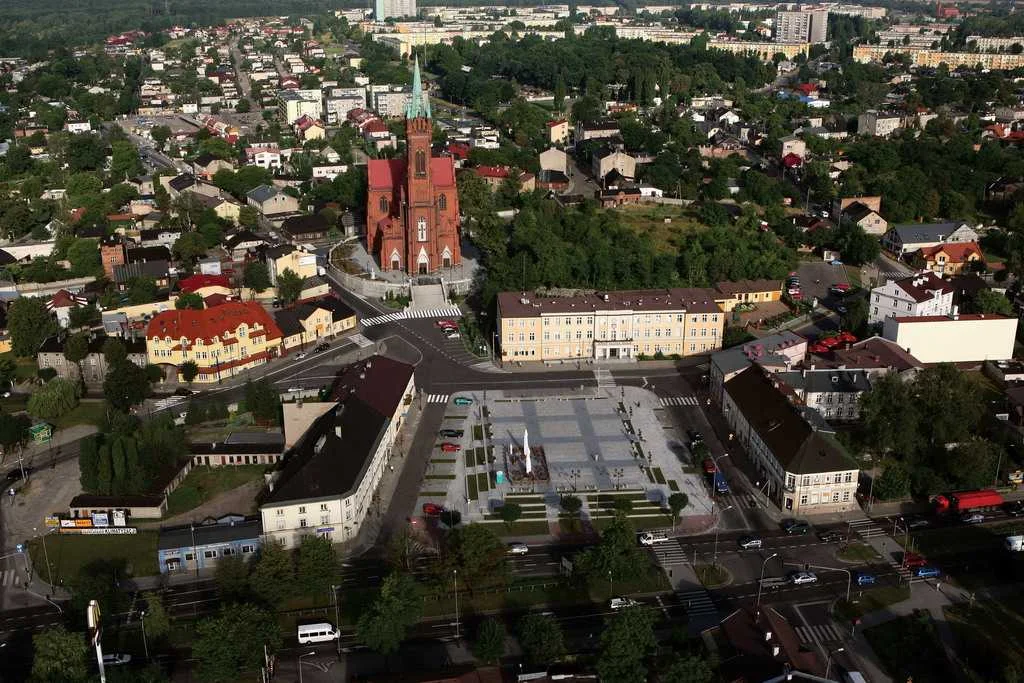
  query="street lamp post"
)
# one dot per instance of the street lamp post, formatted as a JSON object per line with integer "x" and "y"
{"x": 828, "y": 666}
{"x": 760, "y": 582}
{"x": 308, "y": 654}
{"x": 145, "y": 644}
{"x": 611, "y": 589}
{"x": 455, "y": 574}
{"x": 46, "y": 556}
{"x": 714, "y": 560}
{"x": 337, "y": 612}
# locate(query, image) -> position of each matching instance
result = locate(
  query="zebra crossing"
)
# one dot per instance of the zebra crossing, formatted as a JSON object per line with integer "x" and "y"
{"x": 604, "y": 377}
{"x": 680, "y": 401}
{"x": 411, "y": 313}
{"x": 698, "y": 603}
{"x": 819, "y": 633}
{"x": 886, "y": 275}
{"x": 437, "y": 398}
{"x": 866, "y": 528}
{"x": 669, "y": 553}
{"x": 360, "y": 341}
{"x": 9, "y": 577}
{"x": 167, "y": 402}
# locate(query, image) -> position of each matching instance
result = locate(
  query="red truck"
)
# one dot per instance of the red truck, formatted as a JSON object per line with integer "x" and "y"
{"x": 968, "y": 501}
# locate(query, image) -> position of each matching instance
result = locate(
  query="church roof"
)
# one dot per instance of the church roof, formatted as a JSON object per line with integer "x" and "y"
{"x": 419, "y": 106}
{"x": 384, "y": 174}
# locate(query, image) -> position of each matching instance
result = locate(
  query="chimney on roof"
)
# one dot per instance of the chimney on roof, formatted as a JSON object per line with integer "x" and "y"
{"x": 767, "y": 636}
{"x": 955, "y": 315}
{"x": 337, "y": 431}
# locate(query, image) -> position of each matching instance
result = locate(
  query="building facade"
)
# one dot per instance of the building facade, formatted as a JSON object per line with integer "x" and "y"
{"x": 201, "y": 546}
{"x": 914, "y": 296}
{"x": 801, "y": 26}
{"x": 413, "y": 204}
{"x": 610, "y": 326}
{"x": 382, "y": 9}
{"x": 954, "y": 338}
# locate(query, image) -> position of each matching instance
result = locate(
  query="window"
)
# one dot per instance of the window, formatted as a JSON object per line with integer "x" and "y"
{"x": 803, "y": 500}
{"x": 227, "y": 551}
{"x": 442, "y": 202}
{"x": 247, "y": 549}
{"x": 280, "y": 525}
{"x": 383, "y": 204}
{"x": 189, "y": 557}
{"x": 421, "y": 229}
{"x": 846, "y": 496}
{"x": 280, "y": 512}
{"x": 835, "y": 497}
{"x": 302, "y": 509}
{"x": 421, "y": 163}
{"x": 209, "y": 554}
{"x": 790, "y": 481}
{"x": 323, "y": 507}
{"x": 848, "y": 477}
{"x": 325, "y": 519}
{"x": 302, "y": 523}
{"x": 806, "y": 481}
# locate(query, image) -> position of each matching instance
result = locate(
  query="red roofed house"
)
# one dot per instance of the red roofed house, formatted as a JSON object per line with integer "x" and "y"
{"x": 412, "y": 206}
{"x": 221, "y": 341}
{"x": 558, "y": 132}
{"x": 61, "y": 304}
{"x": 494, "y": 176}
{"x": 948, "y": 259}
{"x": 205, "y": 285}
{"x": 792, "y": 160}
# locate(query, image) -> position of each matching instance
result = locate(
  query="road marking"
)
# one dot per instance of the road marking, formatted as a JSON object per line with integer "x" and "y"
{"x": 437, "y": 398}
{"x": 412, "y": 313}
{"x": 824, "y": 633}
{"x": 361, "y": 341}
{"x": 680, "y": 401}
{"x": 604, "y": 377}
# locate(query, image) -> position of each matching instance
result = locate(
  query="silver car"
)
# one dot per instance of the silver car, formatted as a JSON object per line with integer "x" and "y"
{"x": 750, "y": 542}
{"x": 801, "y": 578}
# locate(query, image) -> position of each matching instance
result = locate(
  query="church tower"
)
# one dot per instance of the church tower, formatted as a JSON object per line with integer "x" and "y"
{"x": 421, "y": 221}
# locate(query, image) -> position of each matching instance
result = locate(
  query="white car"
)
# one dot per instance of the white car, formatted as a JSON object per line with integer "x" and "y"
{"x": 648, "y": 538}
{"x": 801, "y": 578}
{"x": 452, "y": 334}
{"x": 518, "y": 549}
{"x": 295, "y": 390}
{"x": 300, "y": 355}
{"x": 619, "y": 603}
{"x": 116, "y": 659}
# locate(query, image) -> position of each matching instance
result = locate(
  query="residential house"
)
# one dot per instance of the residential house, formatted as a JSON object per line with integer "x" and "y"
{"x": 270, "y": 201}
{"x": 159, "y": 271}
{"x": 606, "y": 160}
{"x": 806, "y": 471}
{"x": 206, "y": 165}
{"x": 206, "y": 285}
{"x": 760, "y": 645}
{"x": 791, "y": 144}
{"x": 906, "y": 238}
{"x": 236, "y": 449}
{"x": 308, "y": 323}
{"x": 192, "y": 547}
{"x": 111, "y": 253}
{"x": 159, "y": 237}
{"x": 94, "y": 366}
{"x": 329, "y": 479}
{"x": 305, "y": 228}
{"x": 558, "y": 132}
{"x": 495, "y": 176}
{"x": 876, "y": 356}
{"x": 867, "y": 218}
{"x": 599, "y": 130}
{"x": 222, "y": 341}
{"x": 954, "y": 338}
{"x": 878, "y": 124}
{"x": 243, "y": 243}
{"x": 287, "y": 256}
{"x": 308, "y": 128}
{"x": 776, "y": 352}
{"x": 834, "y": 392}
{"x": 948, "y": 259}
{"x": 748, "y": 292}
{"x": 554, "y": 159}
{"x": 225, "y": 206}
{"x": 62, "y": 303}
{"x": 185, "y": 182}
{"x": 615, "y": 196}
{"x": 268, "y": 157}
{"x": 923, "y": 294}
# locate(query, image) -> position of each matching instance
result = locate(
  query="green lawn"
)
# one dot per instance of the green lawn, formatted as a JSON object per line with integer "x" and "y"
{"x": 870, "y": 600}
{"x": 858, "y": 552}
{"x": 204, "y": 483}
{"x": 471, "y": 485}
{"x": 68, "y": 553}
{"x": 524, "y": 527}
{"x": 87, "y": 413}
{"x": 481, "y": 481}
{"x": 990, "y": 634}
{"x": 672, "y": 485}
{"x": 712, "y": 576}
{"x": 909, "y": 647}
{"x": 26, "y": 368}
{"x": 650, "y": 220}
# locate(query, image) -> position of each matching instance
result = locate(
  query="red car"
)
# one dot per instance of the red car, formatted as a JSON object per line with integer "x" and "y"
{"x": 913, "y": 560}
{"x": 847, "y": 337}
{"x": 709, "y": 466}
{"x": 819, "y": 348}
{"x": 432, "y": 509}
{"x": 448, "y": 447}
{"x": 447, "y": 324}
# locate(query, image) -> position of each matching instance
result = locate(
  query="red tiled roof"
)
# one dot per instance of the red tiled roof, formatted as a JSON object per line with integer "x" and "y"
{"x": 196, "y": 282}
{"x": 65, "y": 299}
{"x": 216, "y": 300}
{"x": 492, "y": 171}
{"x": 375, "y": 126}
{"x": 552, "y": 124}
{"x": 385, "y": 174}
{"x": 211, "y": 322}
{"x": 958, "y": 252}
{"x": 791, "y": 160}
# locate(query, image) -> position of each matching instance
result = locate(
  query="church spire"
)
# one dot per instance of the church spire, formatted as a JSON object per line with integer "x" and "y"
{"x": 419, "y": 105}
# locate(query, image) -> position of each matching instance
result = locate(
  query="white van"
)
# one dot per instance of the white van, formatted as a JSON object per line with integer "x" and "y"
{"x": 1014, "y": 544}
{"x": 317, "y": 633}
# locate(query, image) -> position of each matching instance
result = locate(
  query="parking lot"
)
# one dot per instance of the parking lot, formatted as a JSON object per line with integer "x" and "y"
{"x": 815, "y": 279}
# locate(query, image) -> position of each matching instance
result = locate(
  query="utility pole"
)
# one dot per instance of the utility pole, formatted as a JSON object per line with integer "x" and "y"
{"x": 455, "y": 574}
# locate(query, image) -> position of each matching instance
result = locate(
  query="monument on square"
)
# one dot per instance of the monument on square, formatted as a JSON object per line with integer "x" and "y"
{"x": 525, "y": 464}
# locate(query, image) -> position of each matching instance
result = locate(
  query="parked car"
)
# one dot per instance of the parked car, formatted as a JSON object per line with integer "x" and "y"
{"x": 928, "y": 572}
{"x": 839, "y": 289}
{"x": 865, "y": 579}
{"x": 15, "y": 474}
{"x": 750, "y": 542}
{"x": 709, "y": 466}
{"x": 452, "y": 433}
{"x": 795, "y": 526}
{"x": 292, "y": 390}
{"x": 449, "y": 447}
{"x": 518, "y": 549}
{"x": 917, "y": 522}
{"x": 183, "y": 392}
{"x": 619, "y": 603}
{"x": 972, "y": 518}
{"x": 650, "y": 538}
{"x": 300, "y": 355}
{"x": 463, "y": 401}
{"x": 116, "y": 659}
{"x": 913, "y": 560}
{"x": 452, "y": 334}
{"x": 831, "y": 536}
{"x": 432, "y": 509}
{"x": 320, "y": 348}
{"x": 447, "y": 324}
{"x": 802, "y": 578}
{"x": 694, "y": 436}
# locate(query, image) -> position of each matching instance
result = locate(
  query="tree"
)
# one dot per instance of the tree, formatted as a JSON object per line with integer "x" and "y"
{"x": 189, "y": 300}
{"x": 99, "y": 580}
{"x": 884, "y": 428}
{"x": 510, "y": 512}
{"x": 627, "y": 640}
{"x": 59, "y": 655}
{"x": 541, "y": 638}
{"x": 190, "y": 247}
{"x": 196, "y": 413}
{"x": 248, "y": 217}
{"x": 571, "y": 504}
{"x": 987, "y": 301}
{"x": 262, "y": 399}
{"x": 478, "y": 554}
{"x": 894, "y": 482}
{"x": 489, "y": 645}
{"x": 125, "y": 385}
{"x": 256, "y": 277}
{"x": 104, "y": 471}
{"x": 76, "y": 348}
{"x": 142, "y": 290}
{"x": 29, "y": 324}
{"x": 676, "y": 503}
{"x": 13, "y": 430}
{"x": 273, "y": 577}
{"x": 397, "y": 607}
{"x": 114, "y": 351}
{"x": 289, "y": 286}
{"x": 84, "y": 256}
{"x": 158, "y": 625}
{"x": 616, "y": 554}
{"x": 84, "y": 316}
{"x": 317, "y": 565}
{"x": 160, "y": 135}
{"x": 232, "y": 576}
{"x": 623, "y": 505}
{"x": 188, "y": 371}
{"x": 688, "y": 669}
{"x": 232, "y": 643}
{"x": 120, "y": 467}
{"x": 55, "y": 398}
{"x": 856, "y": 317}
{"x": 124, "y": 161}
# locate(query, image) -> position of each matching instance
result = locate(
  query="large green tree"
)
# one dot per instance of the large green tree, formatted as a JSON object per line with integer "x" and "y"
{"x": 76, "y": 348}
{"x": 316, "y": 566}
{"x": 628, "y": 639}
{"x": 273, "y": 576}
{"x": 55, "y": 398}
{"x": 489, "y": 644}
{"x": 541, "y": 638}
{"x": 233, "y": 643}
{"x": 478, "y": 555}
{"x": 289, "y": 285}
{"x": 60, "y": 655}
{"x": 256, "y": 277}
{"x": 397, "y": 607}
{"x": 617, "y": 555}
{"x": 29, "y": 324}
{"x": 125, "y": 385}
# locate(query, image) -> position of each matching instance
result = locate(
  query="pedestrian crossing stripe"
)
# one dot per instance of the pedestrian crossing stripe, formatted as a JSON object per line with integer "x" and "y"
{"x": 680, "y": 401}
{"x": 437, "y": 398}
{"x": 361, "y": 341}
{"x": 697, "y": 602}
{"x": 822, "y": 633}
{"x": 408, "y": 314}
{"x": 9, "y": 577}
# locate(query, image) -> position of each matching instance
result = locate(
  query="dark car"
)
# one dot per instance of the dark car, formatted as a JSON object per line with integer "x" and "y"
{"x": 320, "y": 348}
{"x": 695, "y": 436}
{"x": 831, "y": 536}
{"x": 795, "y": 526}
{"x": 183, "y": 392}
{"x": 1014, "y": 508}
{"x": 452, "y": 433}
{"x": 15, "y": 474}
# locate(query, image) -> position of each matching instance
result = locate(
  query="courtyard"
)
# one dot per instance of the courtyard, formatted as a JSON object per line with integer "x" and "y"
{"x": 604, "y": 445}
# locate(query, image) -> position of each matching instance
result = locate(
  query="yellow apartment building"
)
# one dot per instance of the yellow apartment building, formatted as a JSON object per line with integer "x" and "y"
{"x": 222, "y": 341}
{"x": 609, "y": 325}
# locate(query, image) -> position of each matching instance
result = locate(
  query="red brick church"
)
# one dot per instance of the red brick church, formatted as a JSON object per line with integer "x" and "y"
{"x": 412, "y": 205}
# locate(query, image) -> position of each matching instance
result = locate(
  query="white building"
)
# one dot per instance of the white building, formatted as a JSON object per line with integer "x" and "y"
{"x": 391, "y": 101}
{"x": 382, "y": 9}
{"x": 801, "y": 26}
{"x": 878, "y": 124}
{"x": 294, "y": 104}
{"x": 328, "y": 481}
{"x": 910, "y": 297}
{"x": 805, "y": 471}
{"x": 954, "y": 338}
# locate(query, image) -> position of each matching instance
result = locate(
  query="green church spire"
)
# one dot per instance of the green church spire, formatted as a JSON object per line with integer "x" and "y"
{"x": 419, "y": 105}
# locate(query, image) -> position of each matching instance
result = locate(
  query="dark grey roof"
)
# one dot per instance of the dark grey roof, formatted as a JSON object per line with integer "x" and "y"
{"x": 218, "y": 447}
{"x": 208, "y": 534}
{"x": 154, "y": 233}
{"x": 96, "y": 342}
{"x": 204, "y": 159}
{"x": 923, "y": 286}
{"x": 824, "y": 381}
{"x": 305, "y": 224}
{"x": 288, "y": 321}
{"x": 313, "y": 281}
{"x": 925, "y": 232}
{"x": 279, "y": 251}
{"x": 338, "y": 308}
{"x": 154, "y": 269}
{"x": 783, "y": 428}
{"x": 242, "y": 236}
{"x": 144, "y": 254}
{"x": 182, "y": 182}
{"x": 6, "y": 258}
{"x": 261, "y": 193}
{"x": 86, "y": 500}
